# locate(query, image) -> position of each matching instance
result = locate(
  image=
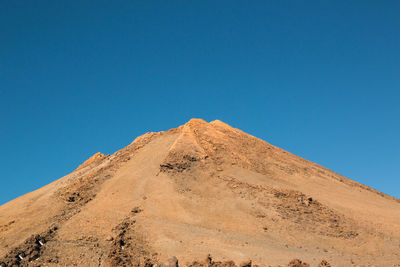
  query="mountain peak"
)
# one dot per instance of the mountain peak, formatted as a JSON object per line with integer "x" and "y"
{"x": 199, "y": 189}
{"x": 221, "y": 124}
{"x": 195, "y": 122}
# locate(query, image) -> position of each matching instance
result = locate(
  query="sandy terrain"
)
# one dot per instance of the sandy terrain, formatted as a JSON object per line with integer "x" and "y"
{"x": 199, "y": 189}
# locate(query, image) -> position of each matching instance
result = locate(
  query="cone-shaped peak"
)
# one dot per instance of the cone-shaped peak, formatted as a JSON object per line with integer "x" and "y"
{"x": 203, "y": 181}
{"x": 221, "y": 124}
{"x": 196, "y": 121}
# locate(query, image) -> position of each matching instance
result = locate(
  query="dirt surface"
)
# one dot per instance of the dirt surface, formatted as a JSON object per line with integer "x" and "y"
{"x": 174, "y": 198}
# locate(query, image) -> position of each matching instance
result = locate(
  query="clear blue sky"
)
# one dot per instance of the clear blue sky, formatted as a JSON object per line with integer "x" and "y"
{"x": 320, "y": 79}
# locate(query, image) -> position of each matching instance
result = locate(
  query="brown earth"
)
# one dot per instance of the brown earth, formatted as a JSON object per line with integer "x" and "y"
{"x": 174, "y": 198}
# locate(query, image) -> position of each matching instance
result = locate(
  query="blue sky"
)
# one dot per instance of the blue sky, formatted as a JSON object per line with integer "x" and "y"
{"x": 320, "y": 79}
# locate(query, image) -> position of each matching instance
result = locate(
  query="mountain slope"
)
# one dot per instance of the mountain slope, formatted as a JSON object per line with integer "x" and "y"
{"x": 203, "y": 188}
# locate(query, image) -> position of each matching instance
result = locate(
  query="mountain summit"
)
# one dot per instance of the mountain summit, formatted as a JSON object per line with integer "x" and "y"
{"x": 176, "y": 197}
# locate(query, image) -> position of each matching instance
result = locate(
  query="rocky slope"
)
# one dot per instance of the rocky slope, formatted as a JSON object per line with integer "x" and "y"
{"x": 174, "y": 198}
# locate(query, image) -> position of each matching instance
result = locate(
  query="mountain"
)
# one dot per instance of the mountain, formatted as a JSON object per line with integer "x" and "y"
{"x": 202, "y": 194}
